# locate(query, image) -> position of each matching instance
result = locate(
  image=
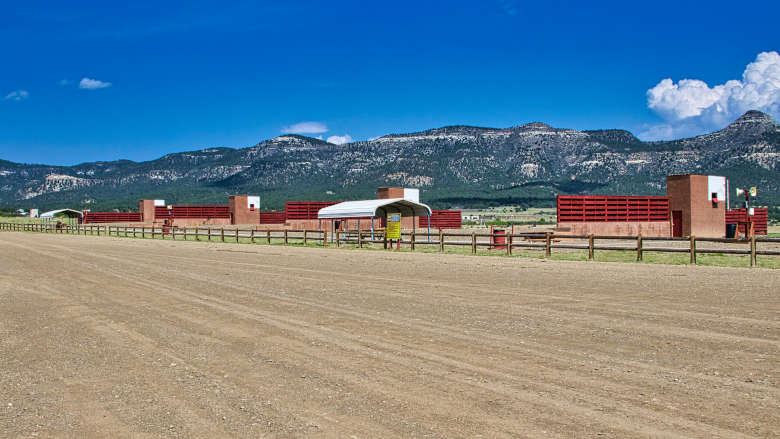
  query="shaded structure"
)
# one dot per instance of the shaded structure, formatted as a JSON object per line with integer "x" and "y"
{"x": 372, "y": 209}
{"x": 73, "y": 216}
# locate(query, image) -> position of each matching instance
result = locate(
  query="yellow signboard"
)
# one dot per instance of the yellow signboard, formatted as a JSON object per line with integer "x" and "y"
{"x": 393, "y": 226}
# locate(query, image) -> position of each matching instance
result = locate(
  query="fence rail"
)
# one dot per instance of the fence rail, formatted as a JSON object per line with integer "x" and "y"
{"x": 546, "y": 242}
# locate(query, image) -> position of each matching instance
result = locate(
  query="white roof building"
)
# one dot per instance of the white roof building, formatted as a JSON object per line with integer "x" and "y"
{"x": 374, "y": 208}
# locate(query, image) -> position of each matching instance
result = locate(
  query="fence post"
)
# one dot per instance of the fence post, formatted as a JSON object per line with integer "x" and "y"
{"x": 412, "y": 238}
{"x": 268, "y": 237}
{"x": 474, "y": 243}
{"x": 753, "y": 261}
{"x": 547, "y": 244}
{"x": 441, "y": 240}
{"x": 236, "y": 235}
{"x": 338, "y": 242}
{"x": 509, "y": 244}
{"x": 285, "y": 236}
{"x": 304, "y": 237}
{"x": 325, "y": 238}
{"x": 152, "y": 230}
{"x": 693, "y": 249}
{"x": 360, "y": 239}
{"x": 252, "y": 236}
{"x": 222, "y": 233}
{"x": 209, "y": 234}
{"x": 639, "y": 255}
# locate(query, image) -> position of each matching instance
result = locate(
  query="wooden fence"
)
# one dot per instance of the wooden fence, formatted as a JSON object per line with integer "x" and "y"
{"x": 546, "y": 242}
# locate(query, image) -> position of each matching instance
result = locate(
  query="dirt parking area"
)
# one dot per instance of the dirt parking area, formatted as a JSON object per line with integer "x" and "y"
{"x": 118, "y": 337}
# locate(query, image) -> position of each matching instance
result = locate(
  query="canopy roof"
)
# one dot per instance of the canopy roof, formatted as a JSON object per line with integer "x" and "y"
{"x": 374, "y": 208}
{"x": 69, "y": 212}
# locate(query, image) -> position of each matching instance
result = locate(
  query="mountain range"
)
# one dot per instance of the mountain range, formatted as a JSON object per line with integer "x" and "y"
{"x": 454, "y": 166}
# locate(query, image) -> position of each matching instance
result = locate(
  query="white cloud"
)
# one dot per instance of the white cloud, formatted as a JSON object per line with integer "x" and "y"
{"x": 691, "y": 107}
{"x": 305, "y": 128}
{"x": 92, "y": 84}
{"x": 17, "y": 95}
{"x": 340, "y": 140}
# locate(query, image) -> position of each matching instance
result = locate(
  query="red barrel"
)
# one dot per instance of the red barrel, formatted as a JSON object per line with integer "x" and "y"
{"x": 498, "y": 238}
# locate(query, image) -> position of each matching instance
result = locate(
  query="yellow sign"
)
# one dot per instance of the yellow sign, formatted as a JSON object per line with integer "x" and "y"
{"x": 393, "y": 226}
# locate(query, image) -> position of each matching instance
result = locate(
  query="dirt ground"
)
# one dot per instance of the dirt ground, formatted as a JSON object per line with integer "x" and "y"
{"x": 118, "y": 337}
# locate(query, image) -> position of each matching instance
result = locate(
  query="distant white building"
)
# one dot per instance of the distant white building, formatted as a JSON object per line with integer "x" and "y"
{"x": 33, "y": 213}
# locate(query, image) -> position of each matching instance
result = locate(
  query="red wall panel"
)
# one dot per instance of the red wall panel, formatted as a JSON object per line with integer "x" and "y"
{"x": 112, "y": 217}
{"x": 305, "y": 210}
{"x": 760, "y": 219}
{"x": 185, "y": 211}
{"x": 597, "y": 208}
{"x": 269, "y": 217}
{"x": 442, "y": 219}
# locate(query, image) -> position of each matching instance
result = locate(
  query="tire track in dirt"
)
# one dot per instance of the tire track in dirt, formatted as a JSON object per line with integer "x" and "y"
{"x": 454, "y": 331}
{"x": 233, "y": 308}
{"x": 436, "y": 358}
{"x": 627, "y": 309}
{"x": 145, "y": 340}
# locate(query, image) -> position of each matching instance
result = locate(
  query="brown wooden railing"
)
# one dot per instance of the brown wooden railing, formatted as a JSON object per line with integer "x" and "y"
{"x": 502, "y": 242}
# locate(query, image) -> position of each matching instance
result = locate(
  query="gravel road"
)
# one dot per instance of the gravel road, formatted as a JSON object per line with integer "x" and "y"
{"x": 118, "y": 337}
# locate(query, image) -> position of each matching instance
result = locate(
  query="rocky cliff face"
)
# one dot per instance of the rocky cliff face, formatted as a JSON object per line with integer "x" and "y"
{"x": 452, "y": 165}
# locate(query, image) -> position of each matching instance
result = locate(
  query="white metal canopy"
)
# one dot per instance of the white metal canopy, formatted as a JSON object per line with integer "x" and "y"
{"x": 374, "y": 208}
{"x": 69, "y": 212}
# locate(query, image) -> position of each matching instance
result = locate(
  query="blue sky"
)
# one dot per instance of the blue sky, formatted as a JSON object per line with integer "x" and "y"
{"x": 84, "y": 81}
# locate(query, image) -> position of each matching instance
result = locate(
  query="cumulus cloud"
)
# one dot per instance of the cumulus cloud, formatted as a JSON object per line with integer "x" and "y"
{"x": 692, "y": 107}
{"x": 17, "y": 95}
{"x": 92, "y": 84}
{"x": 305, "y": 128}
{"x": 340, "y": 140}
